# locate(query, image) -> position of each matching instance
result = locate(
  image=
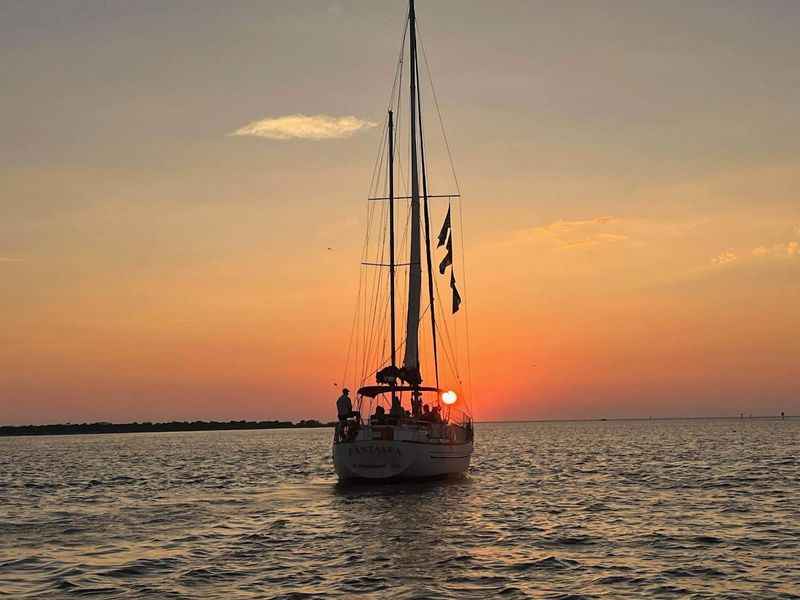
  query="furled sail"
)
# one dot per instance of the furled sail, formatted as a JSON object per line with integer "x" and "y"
{"x": 411, "y": 358}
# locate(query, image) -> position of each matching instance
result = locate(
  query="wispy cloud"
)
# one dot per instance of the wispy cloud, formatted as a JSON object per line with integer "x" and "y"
{"x": 595, "y": 239}
{"x": 562, "y": 226}
{"x": 724, "y": 258}
{"x": 782, "y": 249}
{"x": 574, "y": 234}
{"x": 305, "y": 127}
{"x": 9, "y": 259}
{"x": 788, "y": 249}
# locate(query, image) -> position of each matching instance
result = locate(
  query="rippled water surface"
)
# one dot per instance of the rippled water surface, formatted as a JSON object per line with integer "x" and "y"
{"x": 557, "y": 510}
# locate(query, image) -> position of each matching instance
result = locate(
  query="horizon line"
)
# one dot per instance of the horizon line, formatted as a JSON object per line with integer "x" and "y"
{"x": 497, "y": 421}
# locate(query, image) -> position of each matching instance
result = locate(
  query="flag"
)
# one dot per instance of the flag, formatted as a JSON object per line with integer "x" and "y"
{"x": 456, "y": 295}
{"x": 448, "y": 259}
{"x": 445, "y": 230}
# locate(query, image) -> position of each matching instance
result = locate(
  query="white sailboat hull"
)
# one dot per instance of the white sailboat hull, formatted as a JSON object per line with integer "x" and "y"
{"x": 400, "y": 459}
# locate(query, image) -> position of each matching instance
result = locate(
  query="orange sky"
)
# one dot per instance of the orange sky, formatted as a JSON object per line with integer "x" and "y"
{"x": 630, "y": 182}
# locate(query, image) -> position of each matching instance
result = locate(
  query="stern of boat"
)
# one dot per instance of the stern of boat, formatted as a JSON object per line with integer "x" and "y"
{"x": 401, "y": 452}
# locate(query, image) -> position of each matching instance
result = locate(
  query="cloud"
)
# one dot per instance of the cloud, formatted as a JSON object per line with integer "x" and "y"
{"x": 789, "y": 249}
{"x": 562, "y": 226}
{"x": 780, "y": 250}
{"x": 573, "y": 234}
{"x": 595, "y": 239}
{"x": 305, "y": 127}
{"x": 724, "y": 258}
{"x": 7, "y": 259}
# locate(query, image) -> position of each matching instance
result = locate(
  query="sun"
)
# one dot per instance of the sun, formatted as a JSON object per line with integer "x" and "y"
{"x": 449, "y": 397}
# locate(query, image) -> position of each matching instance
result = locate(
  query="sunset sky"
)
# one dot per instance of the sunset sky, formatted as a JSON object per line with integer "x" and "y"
{"x": 631, "y": 191}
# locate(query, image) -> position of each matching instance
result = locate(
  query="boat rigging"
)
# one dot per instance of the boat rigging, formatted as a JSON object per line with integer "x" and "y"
{"x": 422, "y": 441}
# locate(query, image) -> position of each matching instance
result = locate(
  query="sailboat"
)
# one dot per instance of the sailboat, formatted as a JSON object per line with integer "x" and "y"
{"x": 402, "y": 428}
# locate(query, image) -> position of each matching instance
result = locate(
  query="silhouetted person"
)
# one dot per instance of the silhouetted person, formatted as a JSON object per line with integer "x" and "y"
{"x": 416, "y": 404}
{"x": 344, "y": 406}
{"x": 379, "y": 418}
{"x": 397, "y": 408}
{"x": 426, "y": 413}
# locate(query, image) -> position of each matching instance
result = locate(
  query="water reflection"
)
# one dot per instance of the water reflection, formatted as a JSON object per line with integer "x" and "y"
{"x": 591, "y": 509}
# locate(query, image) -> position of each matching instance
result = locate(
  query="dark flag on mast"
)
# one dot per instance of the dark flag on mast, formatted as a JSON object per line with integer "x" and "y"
{"x": 448, "y": 259}
{"x": 445, "y": 230}
{"x": 456, "y": 295}
{"x": 446, "y": 235}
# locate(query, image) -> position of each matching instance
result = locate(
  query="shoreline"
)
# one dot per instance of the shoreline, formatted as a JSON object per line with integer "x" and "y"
{"x": 179, "y": 426}
{"x": 149, "y": 427}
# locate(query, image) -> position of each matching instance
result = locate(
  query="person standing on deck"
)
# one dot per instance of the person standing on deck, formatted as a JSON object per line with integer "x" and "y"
{"x": 344, "y": 406}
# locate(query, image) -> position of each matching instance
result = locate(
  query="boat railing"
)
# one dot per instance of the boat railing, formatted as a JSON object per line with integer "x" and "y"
{"x": 346, "y": 431}
{"x": 458, "y": 417}
{"x": 451, "y": 415}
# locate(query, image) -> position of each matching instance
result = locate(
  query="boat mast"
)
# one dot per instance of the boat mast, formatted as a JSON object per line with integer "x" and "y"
{"x": 411, "y": 359}
{"x": 427, "y": 231}
{"x": 391, "y": 246}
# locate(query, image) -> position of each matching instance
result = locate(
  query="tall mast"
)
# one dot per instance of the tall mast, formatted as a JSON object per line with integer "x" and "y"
{"x": 411, "y": 359}
{"x": 391, "y": 240}
{"x": 427, "y": 232}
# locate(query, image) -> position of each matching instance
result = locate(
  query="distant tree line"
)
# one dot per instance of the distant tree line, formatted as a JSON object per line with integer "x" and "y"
{"x": 136, "y": 427}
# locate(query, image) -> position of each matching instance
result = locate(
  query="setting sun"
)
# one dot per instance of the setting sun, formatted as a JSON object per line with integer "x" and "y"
{"x": 449, "y": 397}
{"x": 400, "y": 298}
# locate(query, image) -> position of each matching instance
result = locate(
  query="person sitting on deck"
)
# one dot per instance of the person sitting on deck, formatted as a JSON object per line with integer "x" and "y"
{"x": 426, "y": 413}
{"x": 397, "y": 408}
{"x": 344, "y": 406}
{"x": 416, "y": 404}
{"x": 436, "y": 414}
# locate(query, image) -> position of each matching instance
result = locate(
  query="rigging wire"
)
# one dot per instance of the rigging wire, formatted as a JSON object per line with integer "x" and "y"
{"x": 376, "y": 174}
{"x": 376, "y": 290}
{"x": 460, "y": 211}
{"x": 373, "y": 344}
{"x": 362, "y": 274}
{"x": 366, "y": 335}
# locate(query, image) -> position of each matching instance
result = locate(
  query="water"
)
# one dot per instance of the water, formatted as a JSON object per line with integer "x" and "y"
{"x": 555, "y": 510}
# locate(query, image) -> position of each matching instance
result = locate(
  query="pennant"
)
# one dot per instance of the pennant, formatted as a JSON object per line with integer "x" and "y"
{"x": 445, "y": 229}
{"x": 448, "y": 259}
{"x": 456, "y": 295}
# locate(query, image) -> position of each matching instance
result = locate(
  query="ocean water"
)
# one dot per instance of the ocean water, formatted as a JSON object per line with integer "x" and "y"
{"x": 701, "y": 509}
